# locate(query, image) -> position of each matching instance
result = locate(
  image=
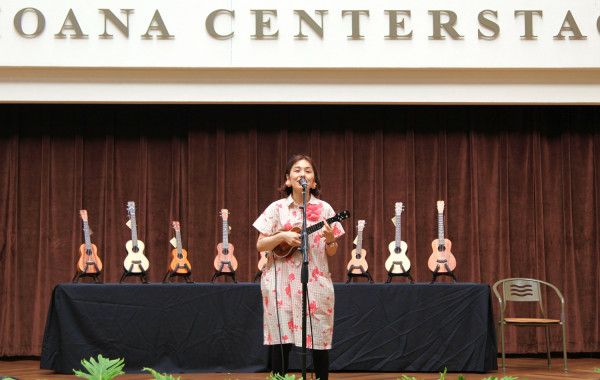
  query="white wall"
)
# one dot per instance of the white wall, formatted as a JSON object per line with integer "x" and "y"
{"x": 430, "y": 66}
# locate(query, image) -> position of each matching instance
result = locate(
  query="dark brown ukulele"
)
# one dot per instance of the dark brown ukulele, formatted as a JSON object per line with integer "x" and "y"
{"x": 284, "y": 249}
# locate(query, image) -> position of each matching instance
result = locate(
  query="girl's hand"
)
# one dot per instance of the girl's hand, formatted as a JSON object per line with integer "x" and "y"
{"x": 327, "y": 233}
{"x": 292, "y": 238}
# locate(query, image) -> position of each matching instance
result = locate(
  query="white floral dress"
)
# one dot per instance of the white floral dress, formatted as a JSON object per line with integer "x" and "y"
{"x": 286, "y": 298}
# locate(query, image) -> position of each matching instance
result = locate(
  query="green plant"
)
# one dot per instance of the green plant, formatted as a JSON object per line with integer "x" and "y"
{"x": 160, "y": 376}
{"x": 103, "y": 369}
{"x": 461, "y": 377}
{"x": 443, "y": 374}
{"x": 597, "y": 369}
{"x": 276, "y": 376}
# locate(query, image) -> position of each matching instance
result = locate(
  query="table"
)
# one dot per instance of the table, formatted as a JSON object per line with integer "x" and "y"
{"x": 207, "y": 327}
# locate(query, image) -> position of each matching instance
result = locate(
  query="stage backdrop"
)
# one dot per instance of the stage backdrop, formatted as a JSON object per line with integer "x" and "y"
{"x": 521, "y": 185}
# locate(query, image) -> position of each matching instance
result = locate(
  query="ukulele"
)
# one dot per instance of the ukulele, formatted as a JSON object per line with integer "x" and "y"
{"x": 284, "y": 249}
{"x": 441, "y": 260}
{"x": 398, "y": 262}
{"x": 225, "y": 261}
{"x": 358, "y": 255}
{"x": 264, "y": 257}
{"x": 179, "y": 263}
{"x": 89, "y": 262}
{"x": 135, "y": 262}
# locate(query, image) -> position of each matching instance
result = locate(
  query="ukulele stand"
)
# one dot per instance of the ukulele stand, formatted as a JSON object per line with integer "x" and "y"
{"x": 448, "y": 273}
{"x": 84, "y": 273}
{"x": 175, "y": 273}
{"x": 220, "y": 272}
{"x": 405, "y": 273}
{"x": 128, "y": 273}
{"x": 363, "y": 273}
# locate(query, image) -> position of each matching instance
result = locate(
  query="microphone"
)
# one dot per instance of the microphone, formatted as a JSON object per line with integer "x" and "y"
{"x": 303, "y": 182}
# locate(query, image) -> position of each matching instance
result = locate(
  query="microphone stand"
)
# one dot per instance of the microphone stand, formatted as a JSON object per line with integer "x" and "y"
{"x": 304, "y": 277}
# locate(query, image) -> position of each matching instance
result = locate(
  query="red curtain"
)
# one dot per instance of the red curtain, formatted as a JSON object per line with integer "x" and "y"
{"x": 520, "y": 183}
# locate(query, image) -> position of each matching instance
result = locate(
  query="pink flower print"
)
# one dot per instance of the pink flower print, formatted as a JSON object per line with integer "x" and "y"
{"x": 267, "y": 302}
{"x": 308, "y": 341}
{"x": 292, "y": 277}
{"x": 313, "y": 211}
{"x": 294, "y": 213}
{"x": 336, "y": 231}
{"x": 269, "y": 338}
{"x": 288, "y": 226}
{"x": 316, "y": 273}
{"x": 291, "y": 325}
{"x": 288, "y": 290}
{"x": 317, "y": 239}
{"x": 285, "y": 338}
{"x": 312, "y": 308}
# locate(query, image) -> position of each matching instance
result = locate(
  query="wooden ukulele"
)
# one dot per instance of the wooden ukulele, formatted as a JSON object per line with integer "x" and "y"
{"x": 398, "y": 262}
{"x": 135, "y": 262}
{"x": 264, "y": 257}
{"x": 225, "y": 261}
{"x": 441, "y": 260}
{"x": 284, "y": 249}
{"x": 179, "y": 263}
{"x": 89, "y": 262}
{"x": 358, "y": 255}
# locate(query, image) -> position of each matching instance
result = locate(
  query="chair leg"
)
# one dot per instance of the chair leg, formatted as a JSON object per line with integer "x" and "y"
{"x": 501, "y": 326}
{"x": 548, "y": 346}
{"x": 564, "y": 336}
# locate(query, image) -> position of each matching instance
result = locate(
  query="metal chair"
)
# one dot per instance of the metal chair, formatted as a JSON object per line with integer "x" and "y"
{"x": 529, "y": 290}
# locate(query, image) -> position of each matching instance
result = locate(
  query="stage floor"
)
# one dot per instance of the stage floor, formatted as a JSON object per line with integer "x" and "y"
{"x": 523, "y": 368}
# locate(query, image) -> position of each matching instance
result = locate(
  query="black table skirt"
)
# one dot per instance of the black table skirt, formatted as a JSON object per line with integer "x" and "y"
{"x": 218, "y": 327}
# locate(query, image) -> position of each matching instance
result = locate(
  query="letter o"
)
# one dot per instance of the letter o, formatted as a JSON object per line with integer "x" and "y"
{"x": 41, "y": 22}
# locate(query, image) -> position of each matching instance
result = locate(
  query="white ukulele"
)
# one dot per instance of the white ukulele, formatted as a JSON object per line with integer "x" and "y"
{"x": 135, "y": 262}
{"x": 398, "y": 262}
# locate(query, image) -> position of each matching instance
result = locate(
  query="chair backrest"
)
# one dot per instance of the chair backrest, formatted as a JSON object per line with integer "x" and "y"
{"x": 521, "y": 290}
{"x": 524, "y": 290}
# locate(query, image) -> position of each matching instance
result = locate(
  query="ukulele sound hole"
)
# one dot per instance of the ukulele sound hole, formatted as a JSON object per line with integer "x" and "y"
{"x": 135, "y": 249}
{"x": 225, "y": 251}
{"x": 441, "y": 248}
{"x": 397, "y": 249}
